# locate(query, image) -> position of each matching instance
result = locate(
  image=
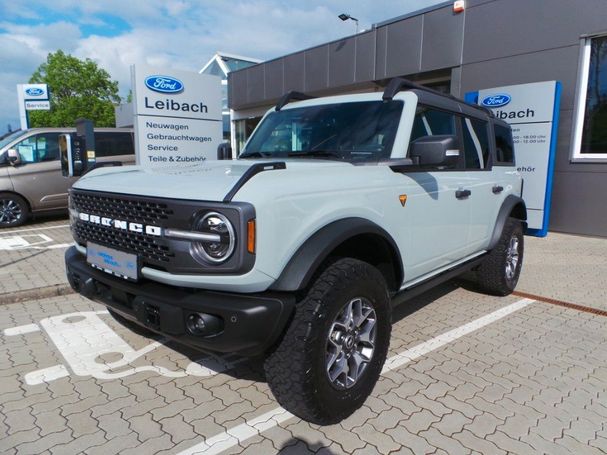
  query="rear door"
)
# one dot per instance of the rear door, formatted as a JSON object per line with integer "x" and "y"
{"x": 480, "y": 181}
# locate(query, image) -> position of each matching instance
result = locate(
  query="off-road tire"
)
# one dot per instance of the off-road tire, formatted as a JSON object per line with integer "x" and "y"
{"x": 14, "y": 210}
{"x": 491, "y": 275}
{"x": 296, "y": 371}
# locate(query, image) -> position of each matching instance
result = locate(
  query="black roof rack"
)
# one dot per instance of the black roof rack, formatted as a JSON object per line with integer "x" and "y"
{"x": 398, "y": 83}
{"x": 291, "y": 96}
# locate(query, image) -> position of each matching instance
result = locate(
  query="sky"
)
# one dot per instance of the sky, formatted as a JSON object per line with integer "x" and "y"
{"x": 170, "y": 34}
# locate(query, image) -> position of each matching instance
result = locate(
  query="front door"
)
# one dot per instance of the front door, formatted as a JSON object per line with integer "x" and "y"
{"x": 38, "y": 178}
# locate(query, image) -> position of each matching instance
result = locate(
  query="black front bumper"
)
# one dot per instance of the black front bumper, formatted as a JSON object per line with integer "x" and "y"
{"x": 250, "y": 323}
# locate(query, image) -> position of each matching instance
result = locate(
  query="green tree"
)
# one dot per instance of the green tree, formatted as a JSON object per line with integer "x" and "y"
{"x": 78, "y": 88}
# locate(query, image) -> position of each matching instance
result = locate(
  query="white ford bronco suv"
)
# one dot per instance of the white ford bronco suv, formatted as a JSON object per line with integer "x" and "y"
{"x": 336, "y": 210}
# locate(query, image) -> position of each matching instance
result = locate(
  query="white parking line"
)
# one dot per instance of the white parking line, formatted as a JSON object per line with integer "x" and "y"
{"x": 35, "y": 229}
{"x": 20, "y": 330}
{"x": 240, "y": 433}
{"x": 46, "y": 374}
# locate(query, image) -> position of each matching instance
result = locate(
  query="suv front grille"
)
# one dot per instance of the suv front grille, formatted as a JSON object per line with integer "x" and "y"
{"x": 146, "y": 246}
{"x": 148, "y": 212}
{"x": 151, "y": 249}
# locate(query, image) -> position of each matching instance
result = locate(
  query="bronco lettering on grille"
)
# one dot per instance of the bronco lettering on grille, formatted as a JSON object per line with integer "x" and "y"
{"x": 121, "y": 224}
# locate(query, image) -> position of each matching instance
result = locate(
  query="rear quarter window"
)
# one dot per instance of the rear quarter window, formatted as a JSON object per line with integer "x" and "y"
{"x": 504, "y": 147}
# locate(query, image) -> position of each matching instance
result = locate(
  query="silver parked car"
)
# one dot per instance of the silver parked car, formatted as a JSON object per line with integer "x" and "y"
{"x": 30, "y": 169}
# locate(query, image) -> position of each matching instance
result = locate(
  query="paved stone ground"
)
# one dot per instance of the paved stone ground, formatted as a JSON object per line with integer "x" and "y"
{"x": 31, "y": 256}
{"x": 532, "y": 382}
{"x": 566, "y": 267}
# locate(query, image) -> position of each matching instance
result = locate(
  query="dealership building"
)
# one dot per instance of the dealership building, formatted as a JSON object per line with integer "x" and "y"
{"x": 490, "y": 43}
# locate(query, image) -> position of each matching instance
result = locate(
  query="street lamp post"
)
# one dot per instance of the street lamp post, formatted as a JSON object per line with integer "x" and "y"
{"x": 345, "y": 17}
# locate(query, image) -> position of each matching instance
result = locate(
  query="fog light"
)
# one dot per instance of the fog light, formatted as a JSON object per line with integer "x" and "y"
{"x": 203, "y": 324}
{"x": 196, "y": 324}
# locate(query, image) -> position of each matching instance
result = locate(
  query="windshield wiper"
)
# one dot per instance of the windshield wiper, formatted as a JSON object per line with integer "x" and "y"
{"x": 254, "y": 155}
{"x": 317, "y": 154}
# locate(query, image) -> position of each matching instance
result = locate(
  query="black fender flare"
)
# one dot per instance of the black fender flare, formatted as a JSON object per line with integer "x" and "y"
{"x": 511, "y": 204}
{"x": 309, "y": 256}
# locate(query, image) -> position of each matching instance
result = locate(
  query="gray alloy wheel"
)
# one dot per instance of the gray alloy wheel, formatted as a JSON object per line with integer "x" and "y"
{"x": 13, "y": 210}
{"x": 332, "y": 353}
{"x": 512, "y": 256}
{"x": 350, "y": 343}
{"x": 499, "y": 272}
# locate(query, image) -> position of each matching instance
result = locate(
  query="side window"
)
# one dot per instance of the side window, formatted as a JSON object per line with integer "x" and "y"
{"x": 476, "y": 143}
{"x": 504, "y": 150}
{"x": 431, "y": 122}
{"x": 113, "y": 144}
{"x": 38, "y": 148}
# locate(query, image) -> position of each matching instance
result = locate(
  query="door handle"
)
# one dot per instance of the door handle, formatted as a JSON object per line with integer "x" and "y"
{"x": 497, "y": 189}
{"x": 462, "y": 194}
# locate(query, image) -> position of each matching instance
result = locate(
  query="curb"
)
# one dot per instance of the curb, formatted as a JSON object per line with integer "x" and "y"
{"x": 37, "y": 293}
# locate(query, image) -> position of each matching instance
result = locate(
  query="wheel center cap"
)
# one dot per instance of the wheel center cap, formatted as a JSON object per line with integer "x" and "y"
{"x": 349, "y": 341}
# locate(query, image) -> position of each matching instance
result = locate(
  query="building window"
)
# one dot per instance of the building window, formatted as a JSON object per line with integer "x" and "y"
{"x": 243, "y": 129}
{"x": 590, "y": 132}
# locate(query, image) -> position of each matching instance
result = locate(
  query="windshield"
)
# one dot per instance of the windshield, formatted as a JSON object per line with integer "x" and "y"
{"x": 7, "y": 139}
{"x": 362, "y": 131}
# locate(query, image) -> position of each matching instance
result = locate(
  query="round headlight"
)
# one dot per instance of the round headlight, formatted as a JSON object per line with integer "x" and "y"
{"x": 214, "y": 251}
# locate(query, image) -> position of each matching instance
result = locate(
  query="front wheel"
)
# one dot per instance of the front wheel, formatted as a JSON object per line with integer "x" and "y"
{"x": 499, "y": 272}
{"x": 334, "y": 349}
{"x": 13, "y": 210}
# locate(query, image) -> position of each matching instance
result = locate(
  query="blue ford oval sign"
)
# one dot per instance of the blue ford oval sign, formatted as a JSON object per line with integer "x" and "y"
{"x": 497, "y": 100}
{"x": 164, "y": 84}
{"x": 34, "y": 91}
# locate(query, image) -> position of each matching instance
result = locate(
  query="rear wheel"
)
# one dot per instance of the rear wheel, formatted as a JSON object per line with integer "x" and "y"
{"x": 332, "y": 353}
{"x": 499, "y": 272}
{"x": 14, "y": 210}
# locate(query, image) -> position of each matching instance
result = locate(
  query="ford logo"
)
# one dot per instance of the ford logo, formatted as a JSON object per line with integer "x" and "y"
{"x": 164, "y": 84}
{"x": 497, "y": 100}
{"x": 34, "y": 91}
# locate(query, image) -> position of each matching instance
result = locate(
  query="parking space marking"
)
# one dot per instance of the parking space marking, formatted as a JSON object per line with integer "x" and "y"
{"x": 29, "y": 242}
{"x": 46, "y": 375}
{"x": 452, "y": 335}
{"x": 36, "y": 229}
{"x": 83, "y": 338}
{"x": 571, "y": 306}
{"x": 20, "y": 242}
{"x": 20, "y": 330}
{"x": 59, "y": 245}
{"x": 240, "y": 433}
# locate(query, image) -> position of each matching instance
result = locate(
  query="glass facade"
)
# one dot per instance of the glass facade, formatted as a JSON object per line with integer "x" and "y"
{"x": 243, "y": 129}
{"x": 220, "y": 66}
{"x": 594, "y": 132}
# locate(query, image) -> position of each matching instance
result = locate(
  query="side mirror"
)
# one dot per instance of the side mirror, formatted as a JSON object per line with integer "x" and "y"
{"x": 13, "y": 157}
{"x": 439, "y": 150}
{"x": 224, "y": 151}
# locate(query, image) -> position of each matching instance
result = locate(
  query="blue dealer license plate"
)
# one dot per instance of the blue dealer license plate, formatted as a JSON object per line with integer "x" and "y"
{"x": 118, "y": 263}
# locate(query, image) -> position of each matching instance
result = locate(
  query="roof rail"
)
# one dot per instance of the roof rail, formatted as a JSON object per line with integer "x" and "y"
{"x": 398, "y": 83}
{"x": 291, "y": 96}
